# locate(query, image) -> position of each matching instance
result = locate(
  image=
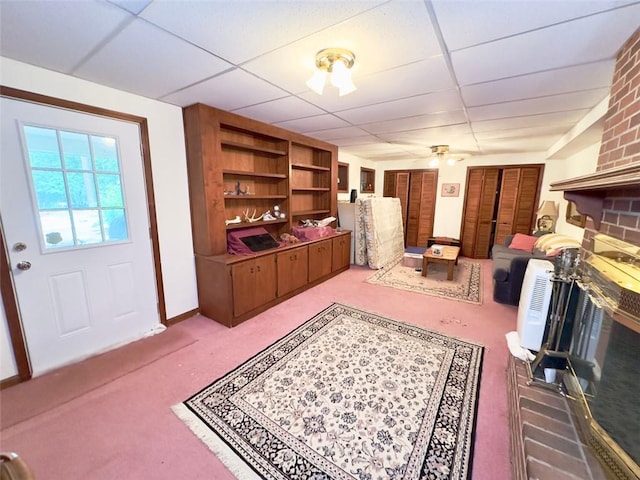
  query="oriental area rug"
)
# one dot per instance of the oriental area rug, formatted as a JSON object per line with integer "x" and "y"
{"x": 466, "y": 285}
{"x": 347, "y": 395}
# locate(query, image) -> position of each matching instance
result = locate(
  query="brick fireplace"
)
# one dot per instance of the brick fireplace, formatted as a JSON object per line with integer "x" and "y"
{"x": 543, "y": 445}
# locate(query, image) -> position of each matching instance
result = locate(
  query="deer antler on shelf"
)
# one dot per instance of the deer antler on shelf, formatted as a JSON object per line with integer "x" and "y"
{"x": 253, "y": 217}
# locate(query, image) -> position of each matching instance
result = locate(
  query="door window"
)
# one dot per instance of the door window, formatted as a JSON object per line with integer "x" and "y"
{"x": 77, "y": 187}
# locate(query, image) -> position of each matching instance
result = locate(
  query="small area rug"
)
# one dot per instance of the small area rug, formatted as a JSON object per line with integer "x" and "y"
{"x": 466, "y": 285}
{"x": 347, "y": 395}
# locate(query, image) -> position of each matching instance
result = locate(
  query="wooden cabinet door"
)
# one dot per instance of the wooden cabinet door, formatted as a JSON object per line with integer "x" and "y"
{"x": 254, "y": 283}
{"x": 319, "y": 259}
{"x": 293, "y": 267}
{"x": 341, "y": 252}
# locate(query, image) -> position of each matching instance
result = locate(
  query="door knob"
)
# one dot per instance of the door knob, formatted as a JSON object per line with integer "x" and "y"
{"x": 23, "y": 265}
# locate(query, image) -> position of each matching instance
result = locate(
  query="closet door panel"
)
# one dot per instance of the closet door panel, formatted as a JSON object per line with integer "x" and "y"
{"x": 527, "y": 200}
{"x": 486, "y": 211}
{"x": 508, "y": 204}
{"x": 471, "y": 212}
{"x": 426, "y": 213}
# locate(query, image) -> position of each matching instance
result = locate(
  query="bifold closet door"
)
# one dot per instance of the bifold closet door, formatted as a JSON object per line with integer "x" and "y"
{"x": 477, "y": 222}
{"x": 422, "y": 202}
{"x": 396, "y": 184}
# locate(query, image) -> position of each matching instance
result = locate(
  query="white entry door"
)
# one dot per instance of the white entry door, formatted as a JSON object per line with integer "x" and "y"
{"x": 74, "y": 213}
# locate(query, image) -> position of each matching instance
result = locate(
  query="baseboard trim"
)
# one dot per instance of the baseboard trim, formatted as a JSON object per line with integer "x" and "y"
{"x": 183, "y": 316}
{"x": 10, "y": 382}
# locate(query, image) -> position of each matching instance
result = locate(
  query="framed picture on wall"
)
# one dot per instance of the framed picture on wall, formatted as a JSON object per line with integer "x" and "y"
{"x": 574, "y": 217}
{"x": 450, "y": 190}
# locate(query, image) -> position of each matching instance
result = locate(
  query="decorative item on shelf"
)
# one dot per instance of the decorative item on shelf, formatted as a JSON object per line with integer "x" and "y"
{"x": 233, "y": 220}
{"x": 437, "y": 250}
{"x": 252, "y": 218}
{"x": 574, "y": 217}
{"x": 289, "y": 239}
{"x": 336, "y": 62}
{"x": 237, "y": 189}
{"x": 268, "y": 216}
{"x": 317, "y": 223}
{"x": 278, "y": 213}
{"x": 440, "y": 154}
{"x": 547, "y": 216}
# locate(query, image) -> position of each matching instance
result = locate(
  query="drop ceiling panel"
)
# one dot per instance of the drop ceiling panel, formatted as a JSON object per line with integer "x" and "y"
{"x": 580, "y": 77}
{"x": 408, "y": 38}
{"x": 335, "y": 134}
{"x": 558, "y": 118}
{"x": 56, "y": 35}
{"x": 519, "y": 145}
{"x": 315, "y": 123}
{"x": 522, "y": 132}
{"x": 132, "y": 62}
{"x": 418, "y": 122}
{"x": 459, "y": 20}
{"x": 240, "y": 31}
{"x": 571, "y": 43}
{"x": 229, "y": 91}
{"x": 280, "y": 110}
{"x": 534, "y": 106}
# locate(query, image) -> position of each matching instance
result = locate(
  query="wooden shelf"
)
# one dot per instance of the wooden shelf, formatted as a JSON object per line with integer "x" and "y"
{"x": 311, "y": 189}
{"x": 252, "y": 148}
{"x": 259, "y": 223}
{"x": 304, "y": 166}
{"x": 255, "y": 197}
{"x": 589, "y": 191}
{"x": 254, "y": 174}
{"x": 308, "y": 212}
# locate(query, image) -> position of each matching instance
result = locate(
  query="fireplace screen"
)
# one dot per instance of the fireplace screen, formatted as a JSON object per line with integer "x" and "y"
{"x": 605, "y": 354}
{"x": 604, "y": 359}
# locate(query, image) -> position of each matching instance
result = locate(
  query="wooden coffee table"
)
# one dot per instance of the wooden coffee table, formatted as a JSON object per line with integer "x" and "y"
{"x": 449, "y": 256}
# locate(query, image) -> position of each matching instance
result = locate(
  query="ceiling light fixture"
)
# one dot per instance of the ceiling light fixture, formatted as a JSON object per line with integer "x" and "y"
{"x": 439, "y": 154}
{"x": 337, "y": 62}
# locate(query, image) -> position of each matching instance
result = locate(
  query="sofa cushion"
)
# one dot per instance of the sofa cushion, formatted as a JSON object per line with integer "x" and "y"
{"x": 523, "y": 242}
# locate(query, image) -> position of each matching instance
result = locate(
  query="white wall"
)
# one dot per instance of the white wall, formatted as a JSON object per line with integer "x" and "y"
{"x": 448, "y": 212}
{"x": 168, "y": 160}
{"x": 581, "y": 163}
{"x": 354, "y": 176}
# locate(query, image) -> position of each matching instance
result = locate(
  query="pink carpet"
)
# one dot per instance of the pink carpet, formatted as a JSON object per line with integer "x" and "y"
{"x": 120, "y": 424}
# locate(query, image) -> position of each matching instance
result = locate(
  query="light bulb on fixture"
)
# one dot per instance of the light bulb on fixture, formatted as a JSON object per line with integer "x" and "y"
{"x": 440, "y": 153}
{"x": 337, "y": 63}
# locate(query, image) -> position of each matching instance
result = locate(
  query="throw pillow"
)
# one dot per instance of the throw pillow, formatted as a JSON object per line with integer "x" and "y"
{"x": 523, "y": 242}
{"x": 555, "y": 241}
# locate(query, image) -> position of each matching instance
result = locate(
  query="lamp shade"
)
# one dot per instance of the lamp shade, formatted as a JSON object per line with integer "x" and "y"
{"x": 548, "y": 207}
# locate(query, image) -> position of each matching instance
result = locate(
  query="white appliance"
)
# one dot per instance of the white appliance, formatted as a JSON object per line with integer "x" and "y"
{"x": 347, "y": 221}
{"x": 534, "y": 303}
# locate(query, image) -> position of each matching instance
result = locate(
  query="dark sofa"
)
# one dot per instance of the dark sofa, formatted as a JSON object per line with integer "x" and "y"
{"x": 509, "y": 266}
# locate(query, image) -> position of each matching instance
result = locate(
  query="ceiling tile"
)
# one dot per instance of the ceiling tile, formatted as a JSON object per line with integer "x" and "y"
{"x": 581, "y": 41}
{"x": 520, "y": 145}
{"x": 335, "y": 134}
{"x": 132, "y": 62}
{"x": 407, "y": 107}
{"x": 557, "y": 118}
{"x": 534, "y": 106}
{"x": 580, "y": 77}
{"x": 134, "y": 6}
{"x": 415, "y": 123}
{"x": 55, "y": 35}
{"x": 229, "y": 91}
{"x": 280, "y": 110}
{"x": 460, "y": 20}
{"x": 315, "y": 123}
{"x": 239, "y": 31}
